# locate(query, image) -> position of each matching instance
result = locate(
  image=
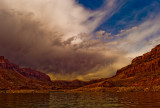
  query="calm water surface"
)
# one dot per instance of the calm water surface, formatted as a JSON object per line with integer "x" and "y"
{"x": 81, "y": 100}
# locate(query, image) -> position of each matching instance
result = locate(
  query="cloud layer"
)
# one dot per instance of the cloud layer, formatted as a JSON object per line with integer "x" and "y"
{"x": 57, "y": 37}
{"x": 137, "y": 40}
{"x": 48, "y": 36}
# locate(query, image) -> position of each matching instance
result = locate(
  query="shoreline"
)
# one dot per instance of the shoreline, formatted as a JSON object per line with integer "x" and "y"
{"x": 29, "y": 91}
{"x": 118, "y": 89}
{"x": 85, "y": 89}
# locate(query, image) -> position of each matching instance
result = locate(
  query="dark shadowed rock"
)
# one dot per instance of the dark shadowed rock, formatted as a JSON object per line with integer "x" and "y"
{"x": 27, "y": 72}
{"x": 33, "y": 74}
{"x": 14, "y": 77}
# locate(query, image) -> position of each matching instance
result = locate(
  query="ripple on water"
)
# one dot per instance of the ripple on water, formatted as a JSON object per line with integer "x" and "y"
{"x": 80, "y": 100}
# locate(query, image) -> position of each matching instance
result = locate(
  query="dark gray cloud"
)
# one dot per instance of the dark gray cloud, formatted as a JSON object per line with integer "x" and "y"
{"x": 44, "y": 35}
{"x": 38, "y": 40}
{"x": 27, "y": 42}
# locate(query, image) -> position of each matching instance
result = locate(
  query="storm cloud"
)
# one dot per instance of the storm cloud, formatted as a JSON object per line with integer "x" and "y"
{"x": 30, "y": 41}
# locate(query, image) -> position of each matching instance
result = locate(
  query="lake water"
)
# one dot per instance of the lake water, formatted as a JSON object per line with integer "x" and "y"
{"x": 81, "y": 100}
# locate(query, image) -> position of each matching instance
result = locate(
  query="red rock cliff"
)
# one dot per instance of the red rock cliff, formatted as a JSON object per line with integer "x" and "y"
{"x": 27, "y": 72}
{"x": 147, "y": 63}
{"x": 33, "y": 74}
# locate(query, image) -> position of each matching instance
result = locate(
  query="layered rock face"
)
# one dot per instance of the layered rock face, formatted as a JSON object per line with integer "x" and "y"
{"x": 33, "y": 74}
{"x": 12, "y": 77}
{"x": 148, "y": 63}
{"x": 5, "y": 64}
{"x": 26, "y": 72}
{"x": 144, "y": 71}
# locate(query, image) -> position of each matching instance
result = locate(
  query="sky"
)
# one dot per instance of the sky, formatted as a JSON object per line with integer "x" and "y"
{"x": 77, "y": 39}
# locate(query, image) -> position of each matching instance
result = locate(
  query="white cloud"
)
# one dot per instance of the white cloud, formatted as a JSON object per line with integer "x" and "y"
{"x": 65, "y": 15}
{"x": 140, "y": 39}
{"x": 36, "y": 39}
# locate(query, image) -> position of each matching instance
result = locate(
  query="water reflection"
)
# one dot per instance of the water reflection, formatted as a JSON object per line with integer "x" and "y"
{"x": 80, "y": 100}
{"x": 139, "y": 99}
{"x": 24, "y": 100}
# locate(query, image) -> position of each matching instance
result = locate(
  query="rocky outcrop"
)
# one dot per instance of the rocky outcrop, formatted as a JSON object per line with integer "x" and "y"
{"x": 26, "y": 72}
{"x": 142, "y": 74}
{"x": 33, "y": 74}
{"x": 148, "y": 63}
{"x": 5, "y": 64}
{"x": 143, "y": 71}
{"x": 12, "y": 77}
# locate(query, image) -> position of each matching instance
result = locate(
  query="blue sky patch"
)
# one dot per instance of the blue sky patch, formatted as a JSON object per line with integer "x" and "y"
{"x": 132, "y": 13}
{"x": 91, "y": 4}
